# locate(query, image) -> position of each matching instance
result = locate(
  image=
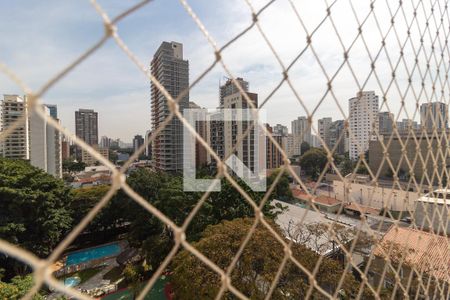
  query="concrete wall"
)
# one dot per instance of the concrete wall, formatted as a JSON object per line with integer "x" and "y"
{"x": 412, "y": 151}
{"x": 376, "y": 197}
{"x": 432, "y": 217}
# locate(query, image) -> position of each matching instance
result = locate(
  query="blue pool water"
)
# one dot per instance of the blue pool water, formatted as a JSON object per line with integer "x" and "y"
{"x": 92, "y": 253}
{"x": 72, "y": 281}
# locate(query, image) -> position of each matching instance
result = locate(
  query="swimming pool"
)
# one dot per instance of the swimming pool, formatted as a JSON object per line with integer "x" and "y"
{"x": 84, "y": 256}
{"x": 72, "y": 281}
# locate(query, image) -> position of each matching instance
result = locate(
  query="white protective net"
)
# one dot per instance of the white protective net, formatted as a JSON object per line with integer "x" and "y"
{"x": 404, "y": 54}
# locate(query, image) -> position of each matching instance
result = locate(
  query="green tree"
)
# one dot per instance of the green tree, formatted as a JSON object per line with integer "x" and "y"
{"x": 163, "y": 191}
{"x": 73, "y": 166}
{"x": 346, "y": 166}
{"x": 402, "y": 174}
{"x": 282, "y": 190}
{"x": 34, "y": 211}
{"x": 18, "y": 287}
{"x": 166, "y": 193}
{"x": 113, "y": 156}
{"x": 313, "y": 162}
{"x": 362, "y": 169}
{"x": 84, "y": 199}
{"x": 133, "y": 276}
{"x": 256, "y": 268}
{"x": 304, "y": 147}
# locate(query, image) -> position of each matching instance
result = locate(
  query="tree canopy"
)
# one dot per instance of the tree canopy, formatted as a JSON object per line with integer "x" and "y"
{"x": 37, "y": 210}
{"x": 313, "y": 162}
{"x": 84, "y": 199}
{"x": 18, "y": 287}
{"x": 166, "y": 193}
{"x": 282, "y": 190}
{"x": 34, "y": 209}
{"x": 304, "y": 146}
{"x": 73, "y": 166}
{"x": 256, "y": 268}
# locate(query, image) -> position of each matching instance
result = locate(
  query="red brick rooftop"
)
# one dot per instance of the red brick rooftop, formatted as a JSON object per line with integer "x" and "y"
{"x": 323, "y": 200}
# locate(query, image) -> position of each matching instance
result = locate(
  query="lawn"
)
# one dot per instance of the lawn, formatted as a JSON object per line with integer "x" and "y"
{"x": 114, "y": 274}
{"x": 156, "y": 293}
{"x": 83, "y": 274}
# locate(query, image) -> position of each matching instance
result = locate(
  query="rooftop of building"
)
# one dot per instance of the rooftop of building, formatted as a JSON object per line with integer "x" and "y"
{"x": 97, "y": 169}
{"x": 294, "y": 214}
{"x": 438, "y": 196}
{"x": 362, "y": 209}
{"x": 321, "y": 200}
{"x": 427, "y": 252}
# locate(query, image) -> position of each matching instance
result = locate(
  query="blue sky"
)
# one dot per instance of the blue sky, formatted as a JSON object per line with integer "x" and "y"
{"x": 39, "y": 38}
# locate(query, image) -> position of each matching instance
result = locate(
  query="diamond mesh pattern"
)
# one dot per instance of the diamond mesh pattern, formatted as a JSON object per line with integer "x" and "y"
{"x": 406, "y": 54}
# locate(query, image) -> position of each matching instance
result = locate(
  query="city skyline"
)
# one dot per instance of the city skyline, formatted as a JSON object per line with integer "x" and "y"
{"x": 131, "y": 167}
{"x": 102, "y": 86}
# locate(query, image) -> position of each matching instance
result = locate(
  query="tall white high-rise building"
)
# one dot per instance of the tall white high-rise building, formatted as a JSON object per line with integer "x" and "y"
{"x": 363, "y": 115}
{"x": 434, "y": 114}
{"x": 16, "y": 144}
{"x": 290, "y": 145}
{"x": 314, "y": 141}
{"x": 232, "y": 130}
{"x": 301, "y": 132}
{"x": 105, "y": 141}
{"x": 45, "y": 144}
{"x": 172, "y": 71}
{"x": 324, "y": 125}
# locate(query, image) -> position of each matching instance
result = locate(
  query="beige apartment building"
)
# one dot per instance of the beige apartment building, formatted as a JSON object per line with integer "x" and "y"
{"x": 89, "y": 160}
{"x": 425, "y": 152}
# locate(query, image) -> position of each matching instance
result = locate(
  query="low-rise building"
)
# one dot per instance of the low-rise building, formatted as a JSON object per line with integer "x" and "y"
{"x": 373, "y": 196}
{"x": 408, "y": 249}
{"x": 432, "y": 211}
{"x": 89, "y": 160}
{"x": 322, "y": 203}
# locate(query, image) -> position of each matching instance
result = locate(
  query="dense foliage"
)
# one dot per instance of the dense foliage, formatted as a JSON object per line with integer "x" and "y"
{"x": 166, "y": 193}
{"x": 282, "y": 190}
{"x": 304, "y": 147}
{"x": 313, "y": 162}
{"x": 84, "y": 199}
{"x": 17, "y": 288}
{"x": 256, "y": 268}
{"x": 347, "y": 166}
{"x": 37, "y": 210}
{"x": 33, "y": 208}
{"x": 73, "y": 166}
